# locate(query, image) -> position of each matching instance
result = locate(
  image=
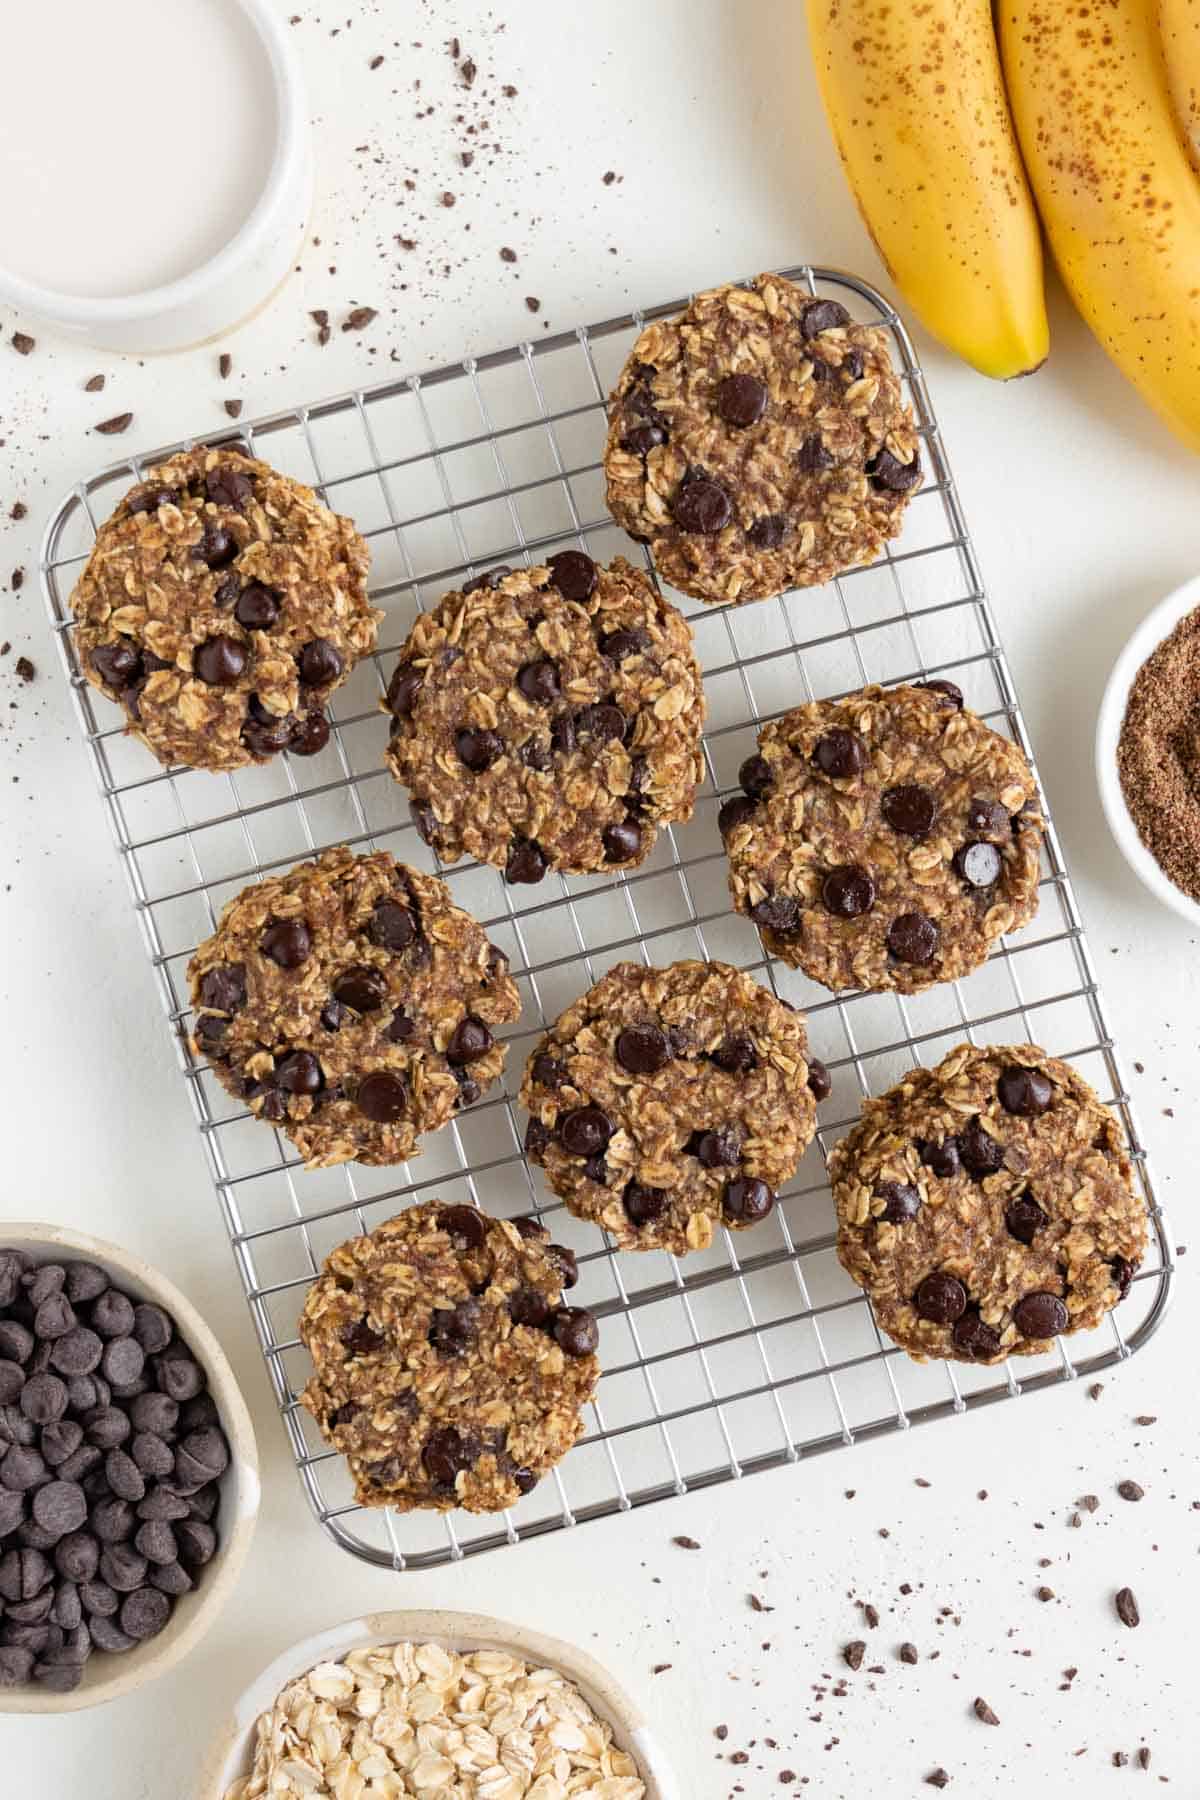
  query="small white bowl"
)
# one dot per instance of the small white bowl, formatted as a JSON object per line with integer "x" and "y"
{"x": 107, "y": 1676}
{"x": 462, "y": 1632}
{"x": 1158, "y": 624}
{"x": 232, "y": 285}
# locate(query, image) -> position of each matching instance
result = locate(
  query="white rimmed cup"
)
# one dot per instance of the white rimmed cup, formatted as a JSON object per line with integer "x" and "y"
{"x": 237, "y": 281}
{"x": 107, "y": 1676}
{"x": 1158, "y": 624}
{"x": 233, "y": 1755}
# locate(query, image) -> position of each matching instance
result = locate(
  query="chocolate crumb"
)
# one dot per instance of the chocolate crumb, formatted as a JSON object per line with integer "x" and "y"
{"x": 376, "y": 62}
{"x": 1096, "y": 1389}
{"x": 920, "y": 1481}
{"x": 19, "y": 510}
{"x": 448, "y": 199}
{"x": 509, "y": 91}
{"x": 758, "y": 1605}
{"x": 468, "y": 72}
{"x": 225, "y": 365}
{"x": 25, "y": 668}
{"x": 1119, "y": 1759}
{"x": 1045, "y": 1593}
{"x": 853, "y": 1653}
{"x": 740, "y": 1757}
{"x": 871, "y": 1615}
{"x": 686, "y": 1543}
{"x": 466, "y": 157}
{"x": 937, "y": 1778}
{"x": 234, "y": 408}
{"x": 1126, "y": 1604}
{"x": 1146, "y": 1419}
{"x": 507, "y": 254}
{"x": 785, "y": 1776}
{"x": 18, "y": 580}
{"x": 359, "y": 319}
{"x": 1143, "y": 1757}
{"x": 22, "y": 343}
{"x": 721, "y": 1732}
{"x": 609, "y": 176}
{"x": 94, "y": 384}
{"x": 1129, "y": 1490}
{"x": 1090, "y": 1502}
{"x": 983, "y": 1712}
{"x": 533, "y": 303}
{"x": 908, "y": 1653}
{"x": 113, "y": 427}
{"x": 660, "y": 1668}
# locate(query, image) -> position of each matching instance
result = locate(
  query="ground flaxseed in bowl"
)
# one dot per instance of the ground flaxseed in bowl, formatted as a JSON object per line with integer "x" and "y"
{"x": 1158, "y": 754}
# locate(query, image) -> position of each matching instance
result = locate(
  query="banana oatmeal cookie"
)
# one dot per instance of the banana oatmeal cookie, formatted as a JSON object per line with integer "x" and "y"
{"x": 666, "y": 1102}
{"x": 221, "y": 606}
{"x": 351, "y": 1003}
{"x": 548, "y": 718}
{"x": 987, "y": 1206}
{"x": 885, "y": 840}
{"x": 759, "y": 441}
{"x": 448, "y": 1371}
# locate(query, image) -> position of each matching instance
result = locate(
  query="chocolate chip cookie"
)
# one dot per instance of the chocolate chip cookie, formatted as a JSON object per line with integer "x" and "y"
{"x": 448, "y": 1370}
{"x": 759, "y": 441}
{"x": 221, "y": 606}
{"x": 548, "y": 718}
{"x": 351, "y": 1003}
{"x": 666, "y": 1102}
{"x": 987, "y": 1206}
{"x": 886, "y": 840}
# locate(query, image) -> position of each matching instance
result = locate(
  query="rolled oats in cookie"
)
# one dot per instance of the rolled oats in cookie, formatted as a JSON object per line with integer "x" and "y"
{"x": 548, "y": 718}
{"x": 987, "y": 1206}
{"x": 221, "y": 606}
{"x": 667, "y": 1102}
{"x": 449, "y": 1370}
{"x": 352, "y": 1004}
{"x": 760, "y": 441}
{"x": 885, "y": 840}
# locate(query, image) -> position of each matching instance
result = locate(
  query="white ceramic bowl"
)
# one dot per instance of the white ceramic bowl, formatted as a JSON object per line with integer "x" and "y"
{"x": 453, "y": 1631}
{"x": 105, "y": 1676}
{"x": 1157, "y": 625}
{"x": 232, "y": 285}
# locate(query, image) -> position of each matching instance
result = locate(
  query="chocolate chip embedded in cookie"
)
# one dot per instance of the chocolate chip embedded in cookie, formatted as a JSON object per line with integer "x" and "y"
{"x": 548, "y": 718}
{"x": 760, "y": 441}
{"x": 221, "y": 606}
{"x": 666, "y": 1102}
{"x": 352, "y": 1004}
{"x": 448, "y": 1371}
{"x": 885, "y": 840}
{"x": 988, "y": 1205}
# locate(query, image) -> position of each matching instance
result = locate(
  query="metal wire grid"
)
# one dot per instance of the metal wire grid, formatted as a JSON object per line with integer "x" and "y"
{"x": 759, "y": 1351}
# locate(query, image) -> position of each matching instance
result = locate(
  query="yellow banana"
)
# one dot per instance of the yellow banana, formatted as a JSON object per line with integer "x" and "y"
{"x": 1179, "y": 27}
{"x": 916, "y": 101}
{"x": 1117, "y": 195}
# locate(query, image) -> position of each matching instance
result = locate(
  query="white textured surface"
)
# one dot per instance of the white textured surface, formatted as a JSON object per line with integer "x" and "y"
{"x": 1083, "y": 512}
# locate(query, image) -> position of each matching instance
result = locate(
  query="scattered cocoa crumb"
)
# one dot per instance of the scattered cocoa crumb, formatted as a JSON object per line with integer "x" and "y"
{"x": 1120, "y": 1760}
{"x": 5, "y": 647}
{"x": 908, "y": 1653}
{"x": 853, "y": 1653}
{"x": 1129, "y": 1490}
{"x": 468, "y": 71}
{"x": 686, "y": 1543}
{"x": 759, "y": 1605}
{"x": 376, "y": 62}
{"x": 94, "y": 384}
{"x": 1126, "y": 1604}
{"x": 18, "y": 580}
{"x": 225, "y": 365}
{"x": 22, "y": 343}
{"x": 1045, "y": 1593}
{"x": 721, "y": 1732}
{"x": 785, "y": 1776}
{"x": 1096, "y": 1389}
{"x": 884, "y": 1532}
{"x": 25, "y": 668}
{"x": 871, "y": 1615}
{"x": 19, "y": 510}
{"x": 740, "y": 1757}
{"x": 467, "y": 157}
{"x": 983, "y": 1711}
{"x": 509, "y": 91}
{"x": 320, "y": 318}
{"x": 609, "y": 176}
{"x": 937, "y": 1778}
{"x": 1090, "y": 1502}
{"x": 1146, "y": 1419}
{"x": 1140, "y": 1067}
{"x": 1070, "y": 1674}
{"x": 507, "y": 254}
{"x": 455, "y": 49}
{"x": 359, "y": 319}
{"x": 533, "y": 303}
{"x": 1143, "y": 1757}
{"x": 982, "y": 1494}
{"x": 115, "y": 426}
{"x": 448, "y": 199}
{"x": 234, "y": 408}
{"x": 920, "y": 1481}
{"x": 660, "y": 1668}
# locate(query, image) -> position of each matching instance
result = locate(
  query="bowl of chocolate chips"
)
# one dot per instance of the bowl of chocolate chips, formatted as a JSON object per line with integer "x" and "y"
{"x": 129, "y": 1481}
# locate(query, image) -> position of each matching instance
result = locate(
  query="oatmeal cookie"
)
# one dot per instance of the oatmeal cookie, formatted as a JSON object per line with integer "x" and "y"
{"x": 548, "y": 718}
{"x": 885, "y": 840}
{"x": 351, "y": 1003}
{"x": 987, "y": 1206}
{"x": 759, "y": 441}
{"x": 448, "y": 1372}
{"x": 666, "y": 1102}
{"x": 221, "y": 606}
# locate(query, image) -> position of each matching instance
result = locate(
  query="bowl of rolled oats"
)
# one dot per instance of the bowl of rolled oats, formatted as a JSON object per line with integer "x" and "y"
{"x": 443, "y": 1705}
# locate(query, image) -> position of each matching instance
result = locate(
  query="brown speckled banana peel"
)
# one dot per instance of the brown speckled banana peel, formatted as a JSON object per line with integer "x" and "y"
{"x": 1117, "y": 194}
{"x": 1179, "y": 29}
{"x": 916, "y": 102}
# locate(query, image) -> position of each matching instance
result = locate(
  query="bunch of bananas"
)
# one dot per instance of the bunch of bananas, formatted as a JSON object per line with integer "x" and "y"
{"x": 1105, "y": 117}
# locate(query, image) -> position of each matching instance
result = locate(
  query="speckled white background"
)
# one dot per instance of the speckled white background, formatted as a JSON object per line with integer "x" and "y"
{"x": 1084, "y": 512}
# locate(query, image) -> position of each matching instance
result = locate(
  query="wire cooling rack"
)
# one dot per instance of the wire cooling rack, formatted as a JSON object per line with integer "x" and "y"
{"x": 759, "y": 1351}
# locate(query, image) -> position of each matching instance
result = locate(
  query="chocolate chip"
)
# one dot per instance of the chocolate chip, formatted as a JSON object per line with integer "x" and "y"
{"x": 1128, "y": 1490}
{"x": 363, "y": 988}
{"x": 822, "y": 315}
{"x": 742, "y": 399}
{"x": 223, "y": 987}
{"x": 754, "y": 776}
{"x": 585, "y": 1131}
{"x": 118, "y": 664}
{"x": 941, "y": 1298}
{"x": 820, "y": 1082}
{"x": 1040, "y": 1315}
{"x": 1024, "y": 1218}
{"x": 217, "y": 547}
{"x": 642, "y": 1049}
{"x": 573, "y": 574}
{"x": 549, "y": 1071}
{"x": 1123, "y": 1272}
{"x": 746, "y": 1200}
{"x": 526, "y": 864}
{"x": 228, "y": 487}
{"x": 265, "y": 733}
{"x": 528, "y": 1307}
{"x": 840, "y": 754}
{"x": 536, "y": 1139}
{"x": 948, "y": 692}
{"x": 154, "y": 1412}
{"x": 54, "y": 1318}
{"x": 144, "y": 1613}
{"x": 701, "y": 505}
{"x": 309, "y": 734}
{"x": 605, "y": 723}
{"x": 643, "y": 1204}
{"x": 60, "y": 1507}
{"x": 446, "y": 1453}
{"x": 913, "y": 938}
{"x": 490, "y": 579}
{"x": 987, "y": 818}
{"x": 539, "y": 682}
{"x": 470, "y": 1040}
{"x": 16, "y": 1341}
{"x": 535, "y": 755}
{"x": 978, "y": 864}
{"x": 768, "y": 531}
{"x": 735, "y": 812}
{"x": 453, "y": 1330}
{"x": 644, "y": 437}
{"x": 910, "y": 809}
{"x": 575, "y": 1331}
{"x": 403, "y": 688}
{"x": 171, "y": 1578}
{"x": 983, "y": 1712}
{"x": 382, "y": 1098}
{"x": 777, "y": 912}
{"x": 122, "y": 1568}
{"x": 152, "y": 1454}
{"x": 617, "y": 645}
{"x": 320, "y": 663}
{"x": 109, "y": 1637}
{"x": 596, "y": 1169}
{"x": 123, "y": 1475}
{"x": 979, "y": 1151}
{"x": 888, "y": 474}
{"x": 1126, "y": 1604}
{"x": 391, "y": 926}
{"x": 361, "y": 1339}
{"x": 288, "y": 942}
{"x": 565, "y": 1265}
{"x": 257, "y": 607}
{"x": 299, "y": 1073}
{"x": 59, "y": 1441}
{"x": 972, "y": 1338}
{"x": 1025, "y": 1092}
{"x": 478, "y": 750}
{"x": 621, "y": 841}
{"x": 848, "y": 892}
{"x": 122, "y": 1361}
{"x": 901, "y": 1202}
{"x": 179, "y": 1375}
{"x": 736, "y": 1055}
